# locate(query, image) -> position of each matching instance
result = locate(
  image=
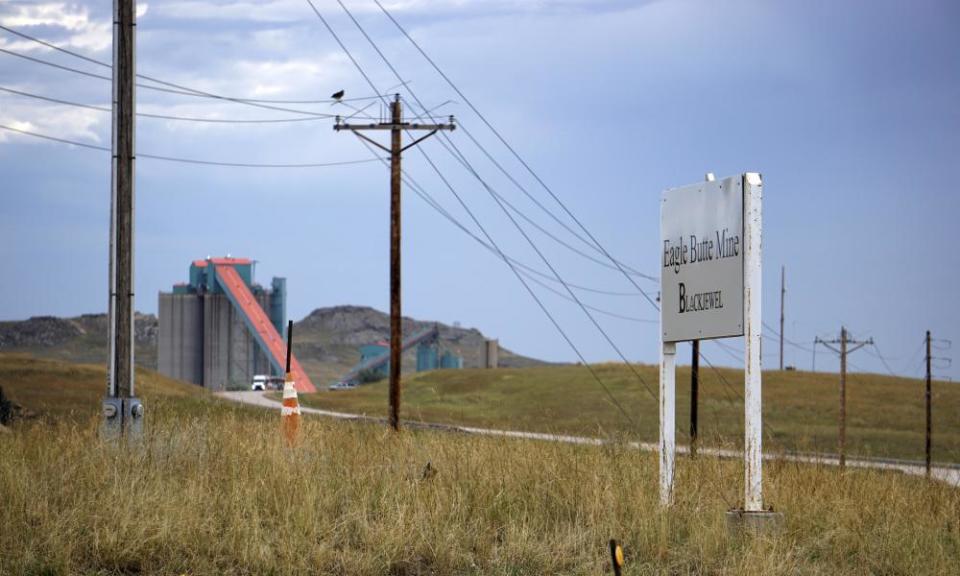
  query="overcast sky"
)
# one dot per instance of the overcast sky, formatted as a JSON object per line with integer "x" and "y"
{"x": 849, "y": 109}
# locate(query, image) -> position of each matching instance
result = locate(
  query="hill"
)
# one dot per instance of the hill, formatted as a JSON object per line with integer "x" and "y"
{"x": 82, "y": 339}
{"x": 327, "y": 340}
{"x": 58, "y": 391}
{"x": 885, "y": 414}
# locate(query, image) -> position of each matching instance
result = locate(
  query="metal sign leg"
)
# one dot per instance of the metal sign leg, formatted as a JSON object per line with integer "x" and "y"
{"x": 668, "y": 411}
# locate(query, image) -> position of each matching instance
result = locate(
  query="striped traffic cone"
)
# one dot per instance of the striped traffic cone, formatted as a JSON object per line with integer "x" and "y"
{"x": 290, "y": 412}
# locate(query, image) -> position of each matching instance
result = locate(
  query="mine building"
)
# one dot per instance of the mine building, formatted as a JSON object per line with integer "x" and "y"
{"x": 221, "y": 328}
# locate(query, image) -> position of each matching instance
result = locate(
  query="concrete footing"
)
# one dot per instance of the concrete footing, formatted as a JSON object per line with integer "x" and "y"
{"x": 754, "y": 523}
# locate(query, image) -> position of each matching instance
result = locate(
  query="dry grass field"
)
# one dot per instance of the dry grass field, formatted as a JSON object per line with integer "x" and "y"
{"x": 211, "y": 490}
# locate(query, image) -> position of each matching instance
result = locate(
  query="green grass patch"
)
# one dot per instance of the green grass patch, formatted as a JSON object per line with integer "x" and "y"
{"x": 885, "y": 414}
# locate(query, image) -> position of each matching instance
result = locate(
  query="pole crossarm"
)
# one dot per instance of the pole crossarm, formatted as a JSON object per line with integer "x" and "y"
{"x": 339, "y": 126}
{"x": 859, "y": 344}
{"x": 392, "y": 126}
{"x": 826, "y": 344}
{"x": 404, "y": 126}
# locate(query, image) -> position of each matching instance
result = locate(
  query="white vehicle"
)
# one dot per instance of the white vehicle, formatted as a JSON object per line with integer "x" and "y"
{"x": 342, "y": 385}
{"x": 259, "y": 383}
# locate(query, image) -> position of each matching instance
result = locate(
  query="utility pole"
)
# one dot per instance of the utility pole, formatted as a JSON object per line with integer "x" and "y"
{"x": 928, "y": 407}
{"x": 816, "y": 340}
{"x": 694, "y": 394}
{"x": 695, "y": 376}
{"x": 122, "y": 411}
{"x": 844, "y": 350}
{"x": 843, "y": 398}
{"x": 396, "y": 127}
{"x": 783, "y": 294}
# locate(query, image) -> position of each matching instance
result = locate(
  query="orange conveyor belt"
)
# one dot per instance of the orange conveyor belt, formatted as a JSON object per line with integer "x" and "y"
{"x": 259, "y": 323}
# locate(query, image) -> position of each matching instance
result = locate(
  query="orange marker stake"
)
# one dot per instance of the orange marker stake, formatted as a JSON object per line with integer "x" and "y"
{"x": 290, "y": 412}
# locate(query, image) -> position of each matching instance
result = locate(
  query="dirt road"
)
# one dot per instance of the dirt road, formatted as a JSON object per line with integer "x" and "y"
{"x": 949, "y": 475}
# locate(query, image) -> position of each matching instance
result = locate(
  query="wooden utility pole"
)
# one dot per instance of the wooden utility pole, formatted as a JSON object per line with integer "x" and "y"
{"x": 695, "y": 376}
{"x": 928, "y": 446}
{"x": 122, "y": 410}
{"x": 396, "y": 126}
{"x": 694, "y": 394}
{"x": 845, "y": 349}
{"x": 842, "y": 438}
{"x": 783, "y": 293}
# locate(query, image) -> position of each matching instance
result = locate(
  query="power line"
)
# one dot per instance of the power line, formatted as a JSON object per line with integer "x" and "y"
{"x": 533, "y": 173}
{"x": 165, "y": 116}
{"x": 463, "y": 161}
{"x": 535, "y": 297}
{"x": 528, "y": 168}
{"x": 594, "y": 308}
{"x": 599, "y": 246}
{"x": 882, "y": 359}
{"x": 547, "y": 211}
{"x": 482, "y": 228}
{"x": 529, "y": 271}
{"x": 188, "y": 91}
{"x": 553, "y": 270}
{"x": 514, "y": 152}
{"x": 730, "y": 350}
{"x": 192, "y": 91}
{"x": 486, "y": 186}
{"x": 188, "y": 160}
{"x": 787, "y": 340}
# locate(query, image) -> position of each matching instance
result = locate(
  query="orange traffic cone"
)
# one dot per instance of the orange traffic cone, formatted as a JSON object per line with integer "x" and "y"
{"x": 290, "y": 412}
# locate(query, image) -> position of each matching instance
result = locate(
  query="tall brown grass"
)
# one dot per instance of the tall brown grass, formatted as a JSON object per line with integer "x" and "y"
{"x": 213, "y": 491}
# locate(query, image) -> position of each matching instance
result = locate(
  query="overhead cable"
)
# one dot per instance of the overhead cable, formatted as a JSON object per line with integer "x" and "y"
{"x": 486, "y": 234}
{"x": 532, "y": 172}
{"x": 167, "y": 116}
{"x": 185, "y": 89}
{"x": 516, "y": 154}
{"x": 188, "y": 160}
{"x": 462, "y": 160}
{"x": 500, "y": 204}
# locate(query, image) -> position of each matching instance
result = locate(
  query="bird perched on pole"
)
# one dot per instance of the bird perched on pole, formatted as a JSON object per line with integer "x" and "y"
{"x": 337, "y": 95}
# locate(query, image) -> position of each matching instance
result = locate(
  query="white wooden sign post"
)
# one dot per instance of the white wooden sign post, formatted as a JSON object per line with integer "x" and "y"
{"x": 710, "y": 287}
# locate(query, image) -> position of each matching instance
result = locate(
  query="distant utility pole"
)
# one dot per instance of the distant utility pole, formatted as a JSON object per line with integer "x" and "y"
{"x": 783, "y": 294}
{"x": 928, "y": 407}
{"x": 845, "y": 349}
{"x": 816, "y": 340}
{"x": 122, "y": 411}
{"x": 396, "y": 127}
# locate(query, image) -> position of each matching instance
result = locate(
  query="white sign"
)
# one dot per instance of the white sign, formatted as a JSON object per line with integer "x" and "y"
{"x": 701, "y": 275}
{"x": 711, "y": 281}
